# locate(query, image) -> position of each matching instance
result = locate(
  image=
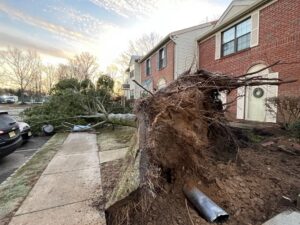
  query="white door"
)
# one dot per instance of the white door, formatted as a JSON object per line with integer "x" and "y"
{"x": 255, "y": 102}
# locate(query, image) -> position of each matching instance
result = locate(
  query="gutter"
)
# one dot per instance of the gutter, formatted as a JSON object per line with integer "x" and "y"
{"x": 232, "y": 20}
{"x": 170, "y": 37}
{"x": 158, "y": 46}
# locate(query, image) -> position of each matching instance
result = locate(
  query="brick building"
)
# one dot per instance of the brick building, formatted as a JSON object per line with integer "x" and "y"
{"x": 249, "y": 36}
{"x": 171, "y": 57}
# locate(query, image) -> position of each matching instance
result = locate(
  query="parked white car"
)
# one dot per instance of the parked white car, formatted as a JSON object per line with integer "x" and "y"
{"x": 25, "y": 130}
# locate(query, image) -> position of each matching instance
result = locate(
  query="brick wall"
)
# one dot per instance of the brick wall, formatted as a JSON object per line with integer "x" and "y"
{"x": 166, "y": 73}
{"x": 279, "y": 39}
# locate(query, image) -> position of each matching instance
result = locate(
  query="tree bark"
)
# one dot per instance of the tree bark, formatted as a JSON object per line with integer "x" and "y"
{"x": 118, "y": 119}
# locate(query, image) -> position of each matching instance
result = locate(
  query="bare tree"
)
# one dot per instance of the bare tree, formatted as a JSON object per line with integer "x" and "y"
{"x": 140, "y": 47}
{"x": 64, "y": 72}
{"x": 112, "y": 71}
{"x": 83, "y": 66}
{"x": 20, "y": 67}
{"x": 50, "y": 78}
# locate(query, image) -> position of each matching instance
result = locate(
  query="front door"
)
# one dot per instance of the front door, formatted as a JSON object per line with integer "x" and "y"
{"x": 255, "y": 97}
{"x": 255, "y": 103}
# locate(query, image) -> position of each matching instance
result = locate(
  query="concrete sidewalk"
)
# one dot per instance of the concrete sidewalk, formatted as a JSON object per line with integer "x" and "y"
{"x": 65, "y": 191}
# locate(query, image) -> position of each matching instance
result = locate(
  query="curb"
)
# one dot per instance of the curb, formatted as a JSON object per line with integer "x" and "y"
{"x": 20, "y": 167}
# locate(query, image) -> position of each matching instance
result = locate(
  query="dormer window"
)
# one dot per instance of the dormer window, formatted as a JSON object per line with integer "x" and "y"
{"x": 236, "y": 38}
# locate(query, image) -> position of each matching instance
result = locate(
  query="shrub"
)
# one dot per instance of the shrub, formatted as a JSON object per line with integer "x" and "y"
{"x": 288, "y": 109}
{"x": 295, "y": 129}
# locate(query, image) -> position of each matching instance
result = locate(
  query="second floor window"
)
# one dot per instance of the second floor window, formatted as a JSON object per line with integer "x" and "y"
{"x": 162, "y": 58}
{"x": 148, "y": 67}
{"x": 132, "y": 73}
{"x": 236, "y": 38}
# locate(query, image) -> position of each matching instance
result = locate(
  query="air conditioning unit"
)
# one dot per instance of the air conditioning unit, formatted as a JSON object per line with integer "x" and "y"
{"x": 125, "y": 86}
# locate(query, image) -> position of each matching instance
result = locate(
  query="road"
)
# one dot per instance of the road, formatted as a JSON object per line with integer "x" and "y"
{"x": 13, "y": 161}
{"x": 14, "y": 110}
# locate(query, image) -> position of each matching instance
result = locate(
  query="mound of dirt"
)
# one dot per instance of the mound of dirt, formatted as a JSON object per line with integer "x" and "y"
{"x": 184, "y": 136}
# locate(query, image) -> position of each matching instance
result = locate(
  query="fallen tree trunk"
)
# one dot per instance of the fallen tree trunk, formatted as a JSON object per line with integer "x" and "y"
{"x": 129, "y": 120}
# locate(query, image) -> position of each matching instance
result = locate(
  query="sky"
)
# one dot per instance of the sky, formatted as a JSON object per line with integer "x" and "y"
{"x": 59, "y": 29}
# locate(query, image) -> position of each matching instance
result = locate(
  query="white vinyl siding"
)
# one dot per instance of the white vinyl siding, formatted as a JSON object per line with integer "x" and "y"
{"x": 186, "y": 50}
{"x": 135, "y": 90}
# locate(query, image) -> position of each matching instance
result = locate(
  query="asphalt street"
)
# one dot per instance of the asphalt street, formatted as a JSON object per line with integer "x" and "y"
{"x": 13, "y": 161}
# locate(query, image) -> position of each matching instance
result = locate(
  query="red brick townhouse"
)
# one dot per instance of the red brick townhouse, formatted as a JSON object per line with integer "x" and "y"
{"x": 248, "y": 38}
{"x": 171, "y": 57}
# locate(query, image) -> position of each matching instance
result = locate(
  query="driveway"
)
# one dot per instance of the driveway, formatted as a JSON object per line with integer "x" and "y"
{"x": 13, "y": 161}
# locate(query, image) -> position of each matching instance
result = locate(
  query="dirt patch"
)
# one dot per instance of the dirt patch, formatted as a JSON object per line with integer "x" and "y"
{"x": 184, "y": 136}
{"x": 250, "y": 191}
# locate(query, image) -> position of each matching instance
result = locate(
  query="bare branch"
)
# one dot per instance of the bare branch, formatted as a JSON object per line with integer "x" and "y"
{"x": 142, "y": 87}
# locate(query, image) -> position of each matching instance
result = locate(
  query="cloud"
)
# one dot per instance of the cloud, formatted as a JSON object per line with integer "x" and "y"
{"x": 85, "y": 23}
{"x": 78, "y": 31}
{"x": 37, "y": 22}
{"x": 127, "y": 8}
{"x": 12, "y": 40}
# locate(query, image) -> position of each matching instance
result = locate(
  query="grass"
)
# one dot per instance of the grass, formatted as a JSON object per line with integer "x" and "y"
{"x": 122, "y": 137}
{"x": 14, "y": 191}
{"x": 110, "y": 139}
{"x": 255, "y": 138}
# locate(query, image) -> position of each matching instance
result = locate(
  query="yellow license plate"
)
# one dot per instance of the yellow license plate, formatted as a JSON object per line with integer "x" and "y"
{"x": 12, "y": 134}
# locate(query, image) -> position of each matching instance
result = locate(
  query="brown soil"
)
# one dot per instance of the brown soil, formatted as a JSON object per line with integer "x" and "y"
{"x": 183, "y": 137}
{"x": 250, "y": 191}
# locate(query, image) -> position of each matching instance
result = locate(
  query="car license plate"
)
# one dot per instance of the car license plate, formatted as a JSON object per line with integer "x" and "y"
{"x": 29, "y": 133}
{"x": 12, "y": 134}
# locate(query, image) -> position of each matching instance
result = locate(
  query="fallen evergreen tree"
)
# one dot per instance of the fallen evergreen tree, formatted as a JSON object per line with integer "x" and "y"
{"x": 78, "y": 102}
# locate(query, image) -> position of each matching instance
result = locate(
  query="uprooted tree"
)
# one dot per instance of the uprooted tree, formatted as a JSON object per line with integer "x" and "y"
{"x": 79, "y": 102}
{"x": 179, "y": 127}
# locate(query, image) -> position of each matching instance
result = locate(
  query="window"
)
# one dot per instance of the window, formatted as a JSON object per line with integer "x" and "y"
{"x": 132, "y": 73}
{"x": 161, "y": 83}
{"x": 148, "y": 67}
{"x": 236, "y": 38}
{"x": 162, "y": 58}
{"x": 131, "y": 94}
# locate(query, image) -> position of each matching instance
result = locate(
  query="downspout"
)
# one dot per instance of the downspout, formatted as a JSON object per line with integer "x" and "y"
{"x": 245, "y": 102}
{"x": 208, "y": 209}
{"x": 174, "y": 55}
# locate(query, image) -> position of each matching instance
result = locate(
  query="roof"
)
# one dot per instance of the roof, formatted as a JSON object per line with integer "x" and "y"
{"x": 167, "y": 38}
{"x": 234, "y": 7}
{"x": 219, "y": 26}
{"x": 135, "y": 58}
